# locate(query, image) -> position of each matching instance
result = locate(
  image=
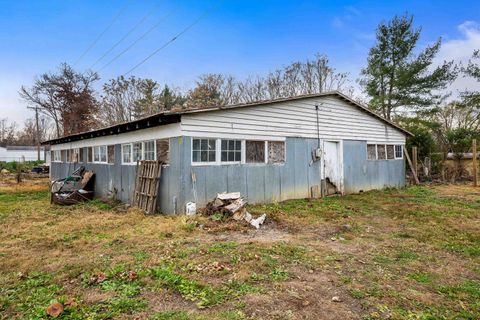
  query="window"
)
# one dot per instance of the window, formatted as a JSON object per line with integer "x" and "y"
{"x": 126, "y": 153}
{"x": 81, "y": 155}
{"x": 163, "y": 150}
{"x": 149, "y": 150}
{"x": 111, "y": 154}
{"x": 57, "y": 155}
{"x": 137, "y": 151}
{"x": 255, "y": 151}
{"x": 203, "y": 150}
{"x": 381, "y": 153}
{"x": 74, "y": 155}
{"x": 276, "y": 152}
{"x": 231, "y": 151}
{"x": 371, "y": 151}
{"x": 235, "y": 151}
{"x": 384, "y": 152}
{"x": 398, "y": 151}
{"x": 390, "y": 152}
{"x": 100, "y": 154}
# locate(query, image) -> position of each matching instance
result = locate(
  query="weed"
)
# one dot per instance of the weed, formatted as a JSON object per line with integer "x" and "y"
{"x": 204, "y": 295}
{"x": 279, "y": 274}
{"x": 422, "y": 277}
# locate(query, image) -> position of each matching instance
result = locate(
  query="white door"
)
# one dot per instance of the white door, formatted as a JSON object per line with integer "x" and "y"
{"x": 332, "y": 164}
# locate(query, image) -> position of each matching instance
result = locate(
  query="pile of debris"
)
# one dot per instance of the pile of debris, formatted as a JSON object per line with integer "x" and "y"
{"x": 233, "y": 205}
{"x": 73, "y": 189}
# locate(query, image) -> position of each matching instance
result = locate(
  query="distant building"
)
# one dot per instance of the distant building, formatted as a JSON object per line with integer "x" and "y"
{"x": 23, "y": 153}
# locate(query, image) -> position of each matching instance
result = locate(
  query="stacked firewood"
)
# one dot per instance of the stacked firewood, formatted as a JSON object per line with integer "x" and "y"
{"x": 233, "y": 205}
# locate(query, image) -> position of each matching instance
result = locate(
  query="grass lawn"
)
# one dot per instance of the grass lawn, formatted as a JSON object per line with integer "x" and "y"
{"x": 393, "y": 254}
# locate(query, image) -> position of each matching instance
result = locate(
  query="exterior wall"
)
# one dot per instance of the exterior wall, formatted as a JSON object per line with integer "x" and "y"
{"x": 118, "y": 181}
{"x": 361, "y": 174}
{"x": 258, "y": 183}
{"x": 338, "y": 120}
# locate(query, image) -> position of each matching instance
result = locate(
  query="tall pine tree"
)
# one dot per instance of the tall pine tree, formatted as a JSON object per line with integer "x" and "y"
{"x": 398, "y": 79}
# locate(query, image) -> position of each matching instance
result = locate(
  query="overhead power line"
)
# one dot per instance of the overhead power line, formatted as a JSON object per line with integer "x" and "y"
{"x": 188, "y": 27}
{"x": 101, "y": 34}
{"x": 134, "y": 42}
{"x": 138, "y": 24}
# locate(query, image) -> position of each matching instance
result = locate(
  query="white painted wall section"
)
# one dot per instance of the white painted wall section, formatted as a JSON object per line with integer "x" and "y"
{"x": 160, "y": 132}
{"x": 297, "y": 118}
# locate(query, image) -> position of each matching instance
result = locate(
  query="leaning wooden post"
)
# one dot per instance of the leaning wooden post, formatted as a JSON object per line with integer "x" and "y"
{"x": 415, "y": 160}
{"x": 411, "y": 166}
{"x": 474, "y": 162}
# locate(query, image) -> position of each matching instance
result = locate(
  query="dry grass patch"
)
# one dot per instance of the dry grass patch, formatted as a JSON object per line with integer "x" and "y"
{"x": 396, "y": 254}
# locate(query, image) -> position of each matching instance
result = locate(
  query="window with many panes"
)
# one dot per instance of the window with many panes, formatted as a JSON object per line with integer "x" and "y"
{"x": 231, "y": 150}
{"x": 149, "y": 150}
{"x": 399, "y": 152}
{"x": 203, "y": 150}
{"x": 57, "y": 156}
{"x": 137, "y": 151}
{"x": 100, "y": 154}
{"x": 384, "y": 151}
{"x": 126, "y": 153}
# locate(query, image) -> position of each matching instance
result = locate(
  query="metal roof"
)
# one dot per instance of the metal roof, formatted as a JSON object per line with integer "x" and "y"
{"x": 167, "y": 117}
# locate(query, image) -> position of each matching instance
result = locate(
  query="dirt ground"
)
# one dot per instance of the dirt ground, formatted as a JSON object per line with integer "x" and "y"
{"x": 391, "y": 254}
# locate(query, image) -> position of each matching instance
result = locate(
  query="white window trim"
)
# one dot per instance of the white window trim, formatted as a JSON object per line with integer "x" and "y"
{"x": 206, "y": 163}
{"x": 386, "y": 155}
{"x": 218, "y": 153}
{"x": 395, "y": 151}
{"x": 59, "y": 153}
{"x": 154, "y": 149}
{"x": 142, "y": 152}
{"x": 106, "y": 154}
{"x": 131, "y": 152}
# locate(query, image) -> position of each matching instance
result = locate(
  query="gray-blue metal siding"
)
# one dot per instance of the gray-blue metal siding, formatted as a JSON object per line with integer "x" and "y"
{"x": 258, "y": 183}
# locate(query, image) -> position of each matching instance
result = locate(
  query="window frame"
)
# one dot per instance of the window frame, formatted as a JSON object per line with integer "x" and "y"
{"x": 131, "y": 152}
{"x": 205, "y": 163}
{"x": 395, "y": 151}
{"x": 154, "y": 151}
{"x": 55, "y": 154}
{"x": 142, "y": 151}
{"x": 95, "y": 152}
{"x": 386, "y": 152}
{"x": 228, "y": 150}
{"x": 243, "y": 141}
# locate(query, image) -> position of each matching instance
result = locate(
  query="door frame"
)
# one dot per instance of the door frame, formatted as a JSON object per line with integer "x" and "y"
{"x": 340, "y": 188}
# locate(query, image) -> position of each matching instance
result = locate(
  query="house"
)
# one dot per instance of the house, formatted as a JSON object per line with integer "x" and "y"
{"x": 23, "y": 153}
{"x": 269, "y": 151}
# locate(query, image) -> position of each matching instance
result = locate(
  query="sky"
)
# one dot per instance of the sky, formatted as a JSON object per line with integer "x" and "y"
{"x": 237, "y": 37}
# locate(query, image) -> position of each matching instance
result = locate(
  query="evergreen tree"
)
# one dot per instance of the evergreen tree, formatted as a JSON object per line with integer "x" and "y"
{"x": 398, "y": 79}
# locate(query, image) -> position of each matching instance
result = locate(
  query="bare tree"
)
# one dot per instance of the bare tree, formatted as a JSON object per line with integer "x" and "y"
{"x": 7, "y": 132}
{"x": 67, "y": 97}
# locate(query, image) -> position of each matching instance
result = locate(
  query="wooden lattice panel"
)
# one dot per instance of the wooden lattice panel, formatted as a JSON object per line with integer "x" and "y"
{"x": 147, "y": 184}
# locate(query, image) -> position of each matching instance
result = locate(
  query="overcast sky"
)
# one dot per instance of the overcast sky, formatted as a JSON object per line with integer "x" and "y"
{"x": 238, "y": 37}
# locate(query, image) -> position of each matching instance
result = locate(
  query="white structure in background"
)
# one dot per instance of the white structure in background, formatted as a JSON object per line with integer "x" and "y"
{"x": 23, "y": 153}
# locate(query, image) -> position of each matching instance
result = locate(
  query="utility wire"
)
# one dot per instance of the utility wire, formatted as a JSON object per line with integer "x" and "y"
{"x": 188, "y": 27}
{"x": 101, "y": 34}
{"x": 134, "y": 42}
{"x": 139, "y": 23}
